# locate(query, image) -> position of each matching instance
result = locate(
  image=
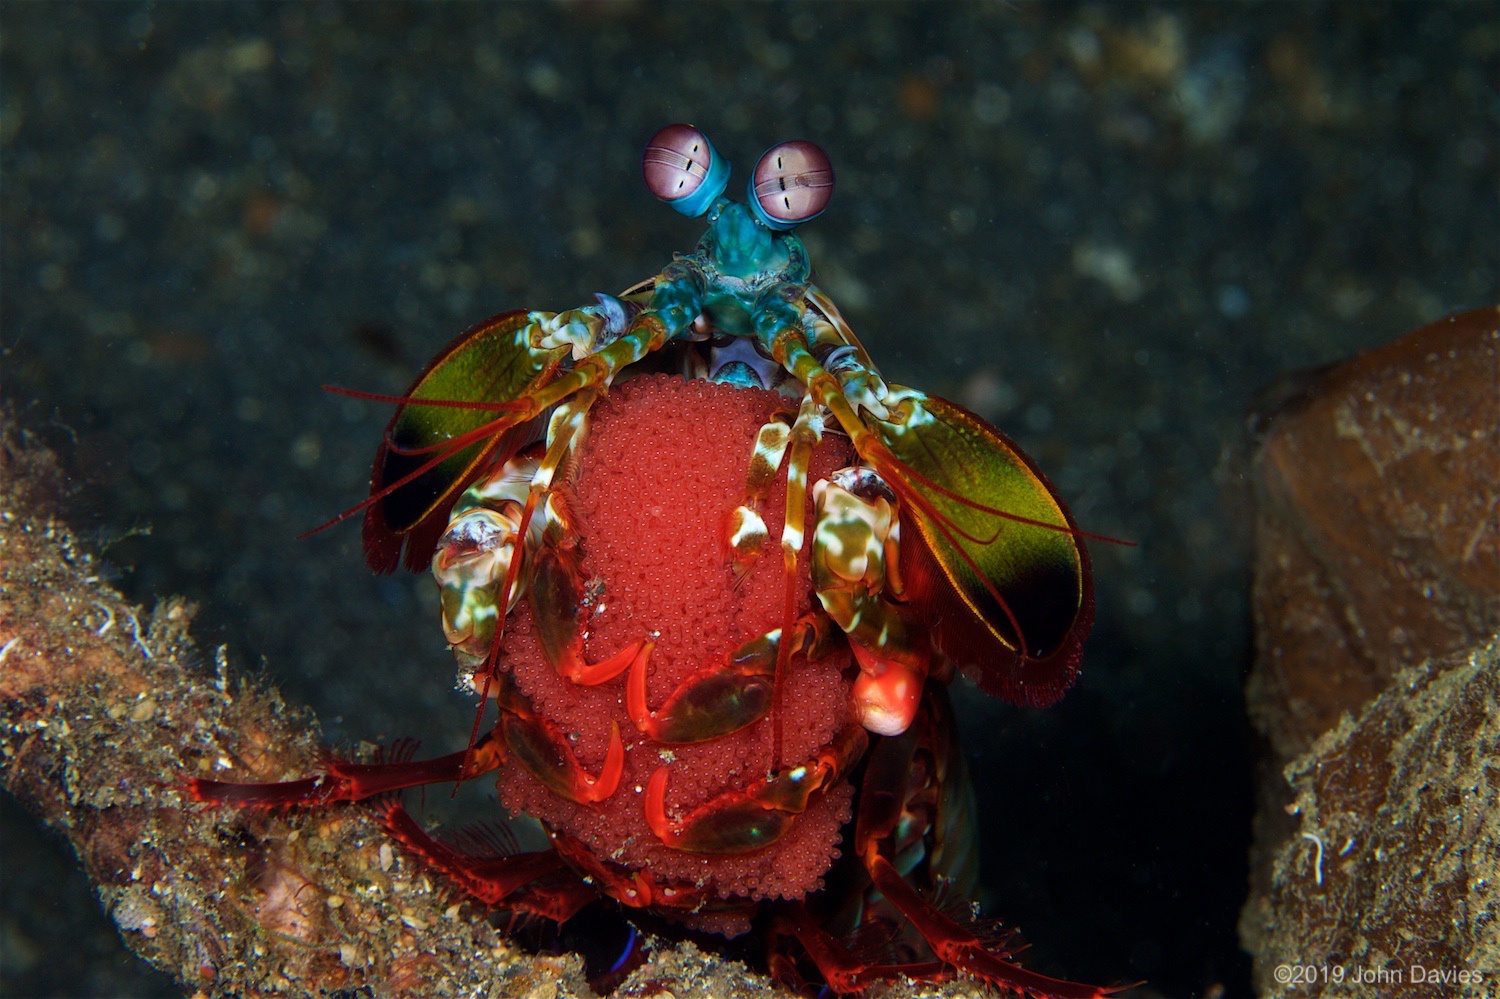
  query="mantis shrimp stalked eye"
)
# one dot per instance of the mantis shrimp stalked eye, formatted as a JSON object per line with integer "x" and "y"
{"x": 682, "y": 168}
{"x": 716, "y": 573}
{"x": 792, "y": 183}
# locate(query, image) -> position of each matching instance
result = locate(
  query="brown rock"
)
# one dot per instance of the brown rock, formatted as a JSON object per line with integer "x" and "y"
{"x": 1377, "y": 601}
{"x": 1378, "y": 533}
{"x": 1391, "y": 883}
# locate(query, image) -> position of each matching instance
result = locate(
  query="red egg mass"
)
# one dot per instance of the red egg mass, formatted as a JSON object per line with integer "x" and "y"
{"x": 663, "y": 468}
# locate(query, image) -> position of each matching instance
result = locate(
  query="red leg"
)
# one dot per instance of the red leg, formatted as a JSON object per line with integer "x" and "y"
{"x": 915, "y": 783}
{"x": 539, "y": 883}
{"x": 346, "y": 781}
{"x": 959, "y": 951}
{"x": 962, "y": 949}
{"x": 843, "y": 970}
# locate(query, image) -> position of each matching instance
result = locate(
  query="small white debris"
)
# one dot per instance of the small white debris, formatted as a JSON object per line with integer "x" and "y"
{"x": 135, "y": 626}
{"x": 1317, "y": 857}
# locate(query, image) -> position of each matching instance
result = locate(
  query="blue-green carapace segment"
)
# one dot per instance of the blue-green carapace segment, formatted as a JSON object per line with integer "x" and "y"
{"x": 493, "y": 362}
{"x": 987, "y": 542}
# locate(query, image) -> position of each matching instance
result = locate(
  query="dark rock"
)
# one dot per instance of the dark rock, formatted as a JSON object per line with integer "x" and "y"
{"x": 1378, "y": 535}
{"x": 1393, "y": 874}
{"x": 1377, "y": 597}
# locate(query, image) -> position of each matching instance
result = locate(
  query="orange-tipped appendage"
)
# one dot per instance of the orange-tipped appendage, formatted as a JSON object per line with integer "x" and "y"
{"x": 656, "y": 807}
{"x": 581, "y": 671}
{"x": 635, "y": 697}
{"x": 595, "y": 789}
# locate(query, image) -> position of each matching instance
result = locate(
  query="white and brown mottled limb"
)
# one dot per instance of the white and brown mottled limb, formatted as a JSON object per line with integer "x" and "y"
{"x": 856, "y": 575}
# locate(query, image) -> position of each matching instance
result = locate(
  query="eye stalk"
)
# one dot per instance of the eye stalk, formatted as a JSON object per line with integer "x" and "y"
{"x": 682, "y": 168}
{"x": 791, "y": 183}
